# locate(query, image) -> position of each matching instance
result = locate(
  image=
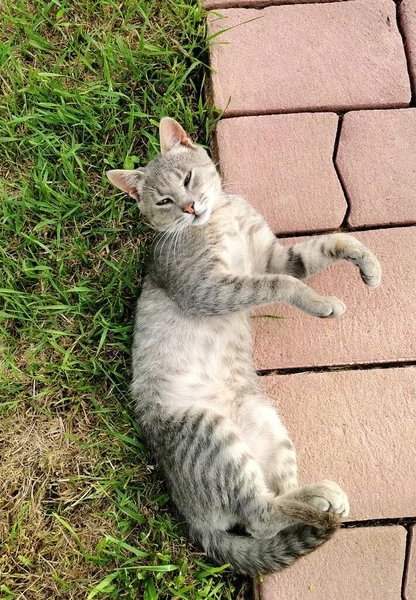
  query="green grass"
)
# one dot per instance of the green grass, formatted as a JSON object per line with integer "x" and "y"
{"x": 83, "y": 514}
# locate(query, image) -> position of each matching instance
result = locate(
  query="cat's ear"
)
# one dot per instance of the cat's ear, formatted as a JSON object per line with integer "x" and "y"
{"x": 130, "y": 181}
{"x": 171, "y": 133}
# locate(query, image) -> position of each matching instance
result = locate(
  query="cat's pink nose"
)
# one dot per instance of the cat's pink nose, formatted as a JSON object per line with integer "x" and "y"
{"x": 189, "y": 208}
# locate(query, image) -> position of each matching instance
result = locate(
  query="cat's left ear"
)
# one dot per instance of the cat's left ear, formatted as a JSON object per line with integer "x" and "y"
{"x": 171, "y": 133}
{"x": 130, "y": 181}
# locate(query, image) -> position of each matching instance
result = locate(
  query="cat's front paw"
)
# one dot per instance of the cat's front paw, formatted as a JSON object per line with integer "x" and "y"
{"x": 327, "y": 307}
{"x": 312, "y": 303}
{"x": 370, "y": 269}
{"x": 351, "y": 249}
{"x": 326, "y": 496}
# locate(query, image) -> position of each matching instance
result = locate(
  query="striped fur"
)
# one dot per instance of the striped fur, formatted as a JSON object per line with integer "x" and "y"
{"x": 227, "y": 458}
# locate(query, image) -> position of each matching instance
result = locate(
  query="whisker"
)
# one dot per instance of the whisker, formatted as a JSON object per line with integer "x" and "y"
{"x": 175, "y": 243}
{"x": 177, "y": 227}
{"x": 164, "y": 236}
{"x": 159, "y": 237}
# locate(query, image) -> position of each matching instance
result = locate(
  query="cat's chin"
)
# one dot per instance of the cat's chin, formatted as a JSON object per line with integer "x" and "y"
{"x": 202, "y": 218}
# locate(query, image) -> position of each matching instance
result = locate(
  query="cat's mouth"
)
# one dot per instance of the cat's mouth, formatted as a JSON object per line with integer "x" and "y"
{"x": 201, "y": 216}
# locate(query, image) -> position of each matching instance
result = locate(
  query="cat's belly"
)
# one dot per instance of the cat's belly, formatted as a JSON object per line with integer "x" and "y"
{"x": 191, "y": 359}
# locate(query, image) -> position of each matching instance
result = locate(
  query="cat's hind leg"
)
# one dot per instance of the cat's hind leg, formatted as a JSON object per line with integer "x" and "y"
{"x": 214, "y": 475}
{"x": 274, "y": 451}
{"x": 269, "y": 442}
{"x": 217, "y": 483}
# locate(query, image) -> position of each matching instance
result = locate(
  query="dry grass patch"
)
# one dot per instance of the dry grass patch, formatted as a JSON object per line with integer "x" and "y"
{"x": 44, "y": 476}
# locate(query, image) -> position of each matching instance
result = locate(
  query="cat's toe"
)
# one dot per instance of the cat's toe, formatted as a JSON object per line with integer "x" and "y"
{"x": 326, "y": 496}
{"x": 336, "y": 308}
{"x": 331, "y": 498}
{"x": 320, "y": 306}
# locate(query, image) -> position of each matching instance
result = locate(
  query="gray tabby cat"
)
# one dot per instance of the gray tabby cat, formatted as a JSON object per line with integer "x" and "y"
{"x": 228, "y": 459}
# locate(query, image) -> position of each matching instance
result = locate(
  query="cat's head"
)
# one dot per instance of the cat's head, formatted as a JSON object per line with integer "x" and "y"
{"x": 177, "y": 188}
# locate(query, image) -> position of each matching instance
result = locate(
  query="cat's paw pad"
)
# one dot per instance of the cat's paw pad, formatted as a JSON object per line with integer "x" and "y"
{"x": 329, "y": 307}
{"x": 370, "y": 270}
{"x": 327, "y": 496}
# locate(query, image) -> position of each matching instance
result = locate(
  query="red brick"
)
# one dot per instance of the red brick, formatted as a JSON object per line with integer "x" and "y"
{"x": 377, "y": 163}
{"x": 334, "y": 56}
{"x": 358, "y": 564}
{"x": 283, "y": 165}
{"x": 356, "y": 428}
{"x": 378, "y": 326}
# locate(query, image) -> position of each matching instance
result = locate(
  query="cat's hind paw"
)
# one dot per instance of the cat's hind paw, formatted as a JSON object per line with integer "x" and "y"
{"x": 326, "y": 496}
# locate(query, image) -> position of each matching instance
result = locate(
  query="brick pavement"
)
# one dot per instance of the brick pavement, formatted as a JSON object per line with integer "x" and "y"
{"x": 319, "y": 133}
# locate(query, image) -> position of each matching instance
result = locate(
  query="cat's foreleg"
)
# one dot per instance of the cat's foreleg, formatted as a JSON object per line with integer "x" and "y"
{"x": 308, "y": 258}
{"x": 227, "y": 293}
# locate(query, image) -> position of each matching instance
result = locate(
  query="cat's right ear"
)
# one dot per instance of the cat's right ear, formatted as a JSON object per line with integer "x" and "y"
{"x": 172, "y": 134}
{"x": 130, "y": 181}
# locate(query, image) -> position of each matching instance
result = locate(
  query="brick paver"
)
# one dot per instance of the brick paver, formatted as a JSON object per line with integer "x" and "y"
{"x": 376, "y": 160}
{"x": 378, "y": 325}
{"x": 323, "y": 56}
{"x": 284, "y": 168}
{"x": 357, "y": 564}
{"x": 357, "y": 428}
{"x": 410, "y": 584}
{"x": 407, "y": 11}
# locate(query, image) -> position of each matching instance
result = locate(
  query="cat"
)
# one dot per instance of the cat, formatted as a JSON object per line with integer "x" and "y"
{"x": 228, "y": 460}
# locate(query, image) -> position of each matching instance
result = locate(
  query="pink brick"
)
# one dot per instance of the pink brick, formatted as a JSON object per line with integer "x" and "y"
{"x": 283, "y": 165}
{"x": 407, "y": 11}
{"x": 356, "y": 428}
{"x": 410, "y": 583}
{"x": 358, "y": 564}
{"x": 330, "y": 56}
{"x": 376, "y": 160}
{"x": 378, "y": 326}
{"x": 214, "y": 4}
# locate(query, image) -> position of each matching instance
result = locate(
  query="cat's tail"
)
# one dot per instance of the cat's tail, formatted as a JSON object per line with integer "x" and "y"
{"x": 252, "y": 556}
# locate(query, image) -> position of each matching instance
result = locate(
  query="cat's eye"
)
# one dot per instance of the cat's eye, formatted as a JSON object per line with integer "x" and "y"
{"x": 164, "y": 201}
{"x": 187, "y": 179}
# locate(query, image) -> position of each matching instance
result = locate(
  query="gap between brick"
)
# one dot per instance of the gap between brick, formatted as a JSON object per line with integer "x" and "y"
{"x": 342, "y": 229}
{"x": 268, "y": 4}
{"x": 406, "y": 50}
{"x": 331, "y": 368}
{"x": 403, "y": 521}
{"x": 406, "y": 567}
{"x": 322, "y": 109}
{"x": 344, "y": 224}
